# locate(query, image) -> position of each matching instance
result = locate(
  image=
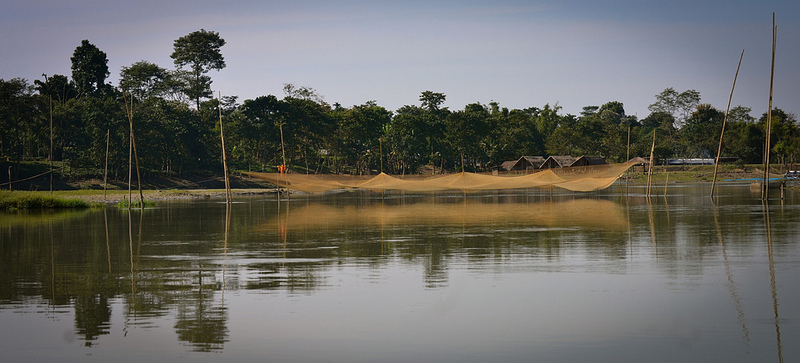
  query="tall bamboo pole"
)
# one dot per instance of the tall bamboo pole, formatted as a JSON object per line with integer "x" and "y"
{"x": 767, "y": 146}
{"x": 283, "y": 168}
{"x": 724, "y": 121}
{"x": 650, "y": 171}
{"x": 51, "y": 144}
{"x": 130, "y": 168}
{"x": 135, "y": 153}
{"x": 224, "y": 157}
{"x": 105, "y": 171}
{"x": 628, "y": 158}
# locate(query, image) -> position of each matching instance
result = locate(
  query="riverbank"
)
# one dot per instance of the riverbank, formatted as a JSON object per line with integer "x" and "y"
{"x": 162, "y": 189}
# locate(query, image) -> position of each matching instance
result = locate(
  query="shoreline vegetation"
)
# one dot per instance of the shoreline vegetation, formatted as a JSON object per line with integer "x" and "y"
{"x": 89, "y": 193}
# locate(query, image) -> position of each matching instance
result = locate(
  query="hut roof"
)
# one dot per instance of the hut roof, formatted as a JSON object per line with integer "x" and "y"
{"x": 589, "y": 160}
{"x": 535, "y": 161}
{"x": 508, "y": 165}
{"x": 558, "y": 161}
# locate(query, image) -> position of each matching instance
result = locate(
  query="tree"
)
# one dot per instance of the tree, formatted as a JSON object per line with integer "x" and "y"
{"x": 89, "y": 68}
{"x": 741, "y": 114}
{"x": 433, "y": 129}
{"x": 465, "y": 131}
{"x": 701, "y": 132}
{"x": 56, "y": 86}
{"x": 19, "y": 124}
{"x": 679, "y": 105}
{"x": 144, "y": 79}
{"x": 359, "y": 135}
{"x": 406, "y": 138}
{"x": 302, "y": 93}
{"x": 200, "y": 51}
{"x": 257, "y": 134}
{"x": 785, "y": 133}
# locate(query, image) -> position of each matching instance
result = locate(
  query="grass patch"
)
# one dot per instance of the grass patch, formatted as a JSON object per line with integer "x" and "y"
{"x": 136, "y": 204}
{"x": 37, "y": 200}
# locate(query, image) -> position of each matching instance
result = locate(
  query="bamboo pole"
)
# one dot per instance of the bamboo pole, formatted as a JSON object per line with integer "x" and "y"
{"x": 105, "y": 171}
{"x": 135, "y": 154}
{"x": 283, "y": 168}
{"x": 51, "y": 143}
{"x": 650, "y": 169}
{"x": 130, "y": 167}
{"x": 767, "y": 146}
{"x": 628, "y": 158}
{"x": 724, "y": 121}
{"x": 224, "y": 157}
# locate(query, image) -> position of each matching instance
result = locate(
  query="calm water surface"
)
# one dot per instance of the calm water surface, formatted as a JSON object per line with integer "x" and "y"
{"x": 507, "y": 276}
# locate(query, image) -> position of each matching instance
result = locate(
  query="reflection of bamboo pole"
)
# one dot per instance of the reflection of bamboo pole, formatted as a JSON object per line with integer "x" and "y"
{"x": 731, "y": 285}
{"x": 225, "y": 246}
{"x": 767, "y": 146}
{"x": 773, "y": 284}
{"x": 650, "y": 171}
{"x": 724, "y": 121}
{"x": 108, "y": 240}
{"x": 652, "y": 219}
{"x": 52, "y": 265}
{"x": 132, "y": 306}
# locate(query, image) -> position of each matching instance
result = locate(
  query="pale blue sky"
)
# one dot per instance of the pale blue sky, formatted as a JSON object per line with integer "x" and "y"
{"x": 518, "y": 53}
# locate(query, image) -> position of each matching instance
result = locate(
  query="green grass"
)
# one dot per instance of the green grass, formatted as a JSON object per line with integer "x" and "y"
{"x": 37, "y": 200}
{"x": 136, "y": 204}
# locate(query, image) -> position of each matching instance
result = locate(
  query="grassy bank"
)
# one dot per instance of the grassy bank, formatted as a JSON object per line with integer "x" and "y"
{"x": 38, "y": 200}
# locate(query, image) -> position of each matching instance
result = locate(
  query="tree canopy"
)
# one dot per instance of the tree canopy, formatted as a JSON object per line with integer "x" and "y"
{"x": 181, "y": 130}
{"x": 200, "y": 51}
{"x": 89, "y": 68}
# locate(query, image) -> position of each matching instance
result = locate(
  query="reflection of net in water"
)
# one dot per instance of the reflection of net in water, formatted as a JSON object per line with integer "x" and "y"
{"x": 579, "y": 179}
{"x": 592, "y": 213}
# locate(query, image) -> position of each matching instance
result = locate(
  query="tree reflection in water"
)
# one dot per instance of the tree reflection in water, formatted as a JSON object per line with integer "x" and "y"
{"x": 177, "y": 266}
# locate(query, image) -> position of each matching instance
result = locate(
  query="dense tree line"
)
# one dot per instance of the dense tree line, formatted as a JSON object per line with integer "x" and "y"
{"x": 176, "y": 121}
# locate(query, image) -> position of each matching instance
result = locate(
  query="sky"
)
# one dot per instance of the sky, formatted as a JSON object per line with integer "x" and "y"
{"x": 521, "y": 54}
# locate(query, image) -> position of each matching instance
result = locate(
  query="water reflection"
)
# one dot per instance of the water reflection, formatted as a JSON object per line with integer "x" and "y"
{"x": 737, "y": 302}
{"x": 531, "y": 269}
{"x": 773, "y": 285}
{"x": 591, "y": 213}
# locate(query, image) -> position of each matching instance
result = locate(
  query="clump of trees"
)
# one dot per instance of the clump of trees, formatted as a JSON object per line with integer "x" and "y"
{"x": 176, "y": 121}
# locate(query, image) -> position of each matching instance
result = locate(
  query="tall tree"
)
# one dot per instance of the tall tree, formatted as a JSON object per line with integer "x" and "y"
{"x": 89, "y": 68}
{"x": 679, "y": 105}
{"x": 144, "y": 79}
{"x": 200, "y": 51}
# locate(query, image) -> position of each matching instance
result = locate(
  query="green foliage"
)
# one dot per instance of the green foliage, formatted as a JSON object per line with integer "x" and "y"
{"x": 144, "y": 80}
{"x": 679, "y": 105}
{"x": 174, "y": 138}
{"x": 200, "y": 51}
{"x": 89, "y": 68}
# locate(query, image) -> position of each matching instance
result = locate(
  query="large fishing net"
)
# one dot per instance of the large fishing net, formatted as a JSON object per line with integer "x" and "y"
{"x": 579, "y": 179}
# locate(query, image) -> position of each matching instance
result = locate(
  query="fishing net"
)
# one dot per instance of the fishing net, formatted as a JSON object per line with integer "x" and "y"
{"x": 579, "y": 179}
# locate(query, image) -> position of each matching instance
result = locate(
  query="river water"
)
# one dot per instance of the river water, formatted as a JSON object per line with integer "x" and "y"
{"x": 370, "y": 277}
